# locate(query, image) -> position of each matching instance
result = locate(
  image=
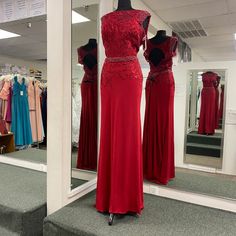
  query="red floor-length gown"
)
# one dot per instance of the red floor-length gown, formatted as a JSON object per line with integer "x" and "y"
{"x": 207, "y": 112}
{"x": 87, "y": 149}
{"x": 158, "y": 136}
{"x": 216, "y": 85}
{"x": 120, "y": 177}
{"x": 222, "y": 95}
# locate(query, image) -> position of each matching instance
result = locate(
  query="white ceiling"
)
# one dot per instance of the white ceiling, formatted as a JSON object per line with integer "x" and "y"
{"x": 218, "y": 18}
{"x": 32, "y": 45}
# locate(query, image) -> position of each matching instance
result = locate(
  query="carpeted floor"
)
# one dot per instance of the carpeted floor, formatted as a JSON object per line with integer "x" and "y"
{"x": 5, "y": 232}
{"x": 23, "y": 200}
{"x": 161, "y": 217}
{"x": 193, "y": 181}
{"x": 210, "y": 184}
{"x": 36, "y": 155}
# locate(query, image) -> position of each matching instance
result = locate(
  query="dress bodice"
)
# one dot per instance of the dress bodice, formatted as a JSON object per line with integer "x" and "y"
{"x": 123, "y": 32}
{"x": 82, "y": 53}
{"x": 19, "y": 89}
{"x": 209, "y": 79}
{"x": 168, "y": 48}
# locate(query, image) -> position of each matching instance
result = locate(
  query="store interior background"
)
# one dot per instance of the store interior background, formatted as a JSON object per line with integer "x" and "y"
{"x": 216, "y": 51}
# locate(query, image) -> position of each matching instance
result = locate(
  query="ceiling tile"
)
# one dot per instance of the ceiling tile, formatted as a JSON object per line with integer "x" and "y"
{"x": 231, "y": 5}
{"x": 168, "y": 4}
{"x": 197, "y": 11}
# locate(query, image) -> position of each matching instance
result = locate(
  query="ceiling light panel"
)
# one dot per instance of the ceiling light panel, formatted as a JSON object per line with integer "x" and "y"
{"x": 6, "y": 34}
{"x": 77, "y": 18}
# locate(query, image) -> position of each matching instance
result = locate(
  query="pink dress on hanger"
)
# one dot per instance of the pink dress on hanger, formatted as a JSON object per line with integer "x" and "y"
{"x": 34, "y": 93}
{"x": 4, "y": 95}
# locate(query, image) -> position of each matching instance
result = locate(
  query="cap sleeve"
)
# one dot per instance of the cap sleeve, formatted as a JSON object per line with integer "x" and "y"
{"x": 80, "y": 55}
{"x": 173, "y": 46}
{"x": 144, "y": 17}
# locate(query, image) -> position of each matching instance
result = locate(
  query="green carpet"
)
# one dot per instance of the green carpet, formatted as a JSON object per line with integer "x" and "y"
{"x": 193, "y": 182}
{"x": 23, "y": 200}
{"x": 4, "y": 232}
{"x": 161, "y": 217}
{"x": 36, "y": 156}
{"x": 210, "y": 185}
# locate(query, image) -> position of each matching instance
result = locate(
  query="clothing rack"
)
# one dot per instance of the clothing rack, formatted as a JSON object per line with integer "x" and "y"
{"x": 13, "y": 71}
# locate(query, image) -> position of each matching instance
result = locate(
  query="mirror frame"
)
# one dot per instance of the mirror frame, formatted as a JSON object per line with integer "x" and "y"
{"x": 187, "y": 119}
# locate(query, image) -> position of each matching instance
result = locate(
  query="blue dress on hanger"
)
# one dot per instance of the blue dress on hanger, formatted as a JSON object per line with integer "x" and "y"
{"x": 20, "y": 114}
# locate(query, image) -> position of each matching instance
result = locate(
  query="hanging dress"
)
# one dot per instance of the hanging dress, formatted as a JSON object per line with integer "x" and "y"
{"x": 34, "y": 93}
{"x": 4, "y": 94}
{"x": 20, "y": 114}
{"x": 208, "y": 101}
{"x": 87, "y": 148}
{"x": 158, "y": 135}
{"x": 44, "y": 113}
{"x": 217, "y": 94}
{"x": 222, "y": 95}
{"x": 120, "y": 177}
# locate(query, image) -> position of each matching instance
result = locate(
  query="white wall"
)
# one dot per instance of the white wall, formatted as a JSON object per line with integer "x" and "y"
{"x": 42, "y": 66}
{"x": 196, "y": 57}
{"x": 180, "y": 73}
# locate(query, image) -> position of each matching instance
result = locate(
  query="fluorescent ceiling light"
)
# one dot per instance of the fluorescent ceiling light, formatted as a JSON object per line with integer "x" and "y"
{"x": 6, "y": 35}
{"x": 77, "y": 18}
{"x": 235, "y": 36}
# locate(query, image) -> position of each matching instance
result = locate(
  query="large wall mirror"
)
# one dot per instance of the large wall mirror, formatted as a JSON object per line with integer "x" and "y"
{"x": 23, "y": 85}
{"x": 205, "y": 118}
{"x": 84, "y": 91}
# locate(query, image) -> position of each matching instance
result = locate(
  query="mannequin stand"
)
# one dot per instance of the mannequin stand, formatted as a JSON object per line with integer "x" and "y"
{"x": 112, "y": 217}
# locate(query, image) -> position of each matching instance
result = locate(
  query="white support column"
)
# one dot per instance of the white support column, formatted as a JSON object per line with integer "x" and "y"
{"x": 59, "y": 103}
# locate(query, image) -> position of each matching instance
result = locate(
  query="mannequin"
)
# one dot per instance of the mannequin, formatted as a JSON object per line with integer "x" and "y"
{"x": 156, "y": 55}
{"x": 89, "y": 60}
{"x": 124, "y": 5}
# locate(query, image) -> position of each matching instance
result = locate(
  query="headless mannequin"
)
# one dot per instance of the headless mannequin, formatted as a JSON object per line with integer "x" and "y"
{"x": 157, "y": 55}
{"x": 124, "y": 5}
{"x": 90, "y": 60}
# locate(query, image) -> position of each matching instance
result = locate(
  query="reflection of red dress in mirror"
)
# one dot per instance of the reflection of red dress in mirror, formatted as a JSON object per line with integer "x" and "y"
{"x": 120, "y": 177}
{"x": 87, "y": 152}
{"x": 208, "y": 100}
{"x": 216, "y": 85}
{"x": 158, "y": 137}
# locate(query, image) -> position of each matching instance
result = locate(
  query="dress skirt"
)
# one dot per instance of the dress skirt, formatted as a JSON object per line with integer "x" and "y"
{"x": 217, "y": 118}
{"x": 207, "y": 113}
{"x": 120, "y": 170}
{"x": 158, "y": 137}
{"x": 87, "y": 148}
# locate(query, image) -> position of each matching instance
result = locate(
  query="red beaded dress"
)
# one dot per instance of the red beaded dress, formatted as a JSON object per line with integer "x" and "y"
{"x": 158, "y": 136}
{"x": 120, "y": 170}
{"x": 208, "y": 98}
{"x": 87, "y": 149}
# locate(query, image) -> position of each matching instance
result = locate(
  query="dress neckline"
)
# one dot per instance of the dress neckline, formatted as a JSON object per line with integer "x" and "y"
{"x": 130, "y": 10}
{"x": 158, "y": 44}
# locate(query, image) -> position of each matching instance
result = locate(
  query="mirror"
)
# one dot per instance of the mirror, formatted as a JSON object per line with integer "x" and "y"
{"x": 23, "y": 88}
{"x": 205, "y": 130}
{"x": 84, "y": 91}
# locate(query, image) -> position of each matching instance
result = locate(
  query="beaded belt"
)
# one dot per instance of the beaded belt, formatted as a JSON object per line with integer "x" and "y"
{"x": 121, "y": 59}
{"x": 152, "y": 76}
